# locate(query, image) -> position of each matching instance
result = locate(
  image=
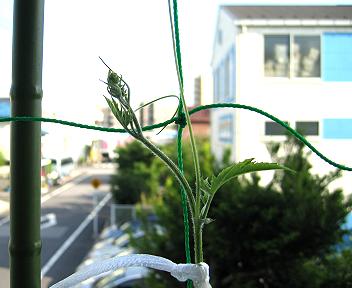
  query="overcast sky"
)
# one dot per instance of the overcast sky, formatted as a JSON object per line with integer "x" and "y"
{"x": 133, "y": 36}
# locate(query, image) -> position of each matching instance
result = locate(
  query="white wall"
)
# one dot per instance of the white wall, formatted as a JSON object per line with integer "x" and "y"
{"x": 288, "y": 99}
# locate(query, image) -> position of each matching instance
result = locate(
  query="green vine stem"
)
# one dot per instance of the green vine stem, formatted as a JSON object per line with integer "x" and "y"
{"x": 172, "y": 166}
{"x": 196, "y": 217}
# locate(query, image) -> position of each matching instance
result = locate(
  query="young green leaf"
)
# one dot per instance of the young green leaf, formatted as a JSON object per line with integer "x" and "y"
{"x": 207, "y": 221}
{"x": 205, "y": 185}
{"x": 237, "y": 169}
{"x": 115, "y": 109}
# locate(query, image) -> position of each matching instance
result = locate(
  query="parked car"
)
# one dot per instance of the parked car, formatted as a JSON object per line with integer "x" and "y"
{"x": 116, "y": 243}
{"x": 91, "y": 260}
{"x": 346, "y": 242}
{"x": 63, "y": 166}
{"x": 131, "y": 277}
{"x": 111, "y": 233}
{"x": 110, "y": 249}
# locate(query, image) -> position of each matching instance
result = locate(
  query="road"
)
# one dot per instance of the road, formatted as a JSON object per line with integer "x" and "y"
{"x": 67, "y": 226}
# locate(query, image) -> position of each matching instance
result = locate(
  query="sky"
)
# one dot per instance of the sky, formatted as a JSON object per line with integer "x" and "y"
{"x": 132, "y": 36}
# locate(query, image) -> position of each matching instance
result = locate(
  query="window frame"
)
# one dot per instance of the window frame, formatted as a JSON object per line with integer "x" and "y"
{"x": 224, "y": 78}
{"x": 291, "y": 35}
{"x": 275, "y": 123}
{"x": 309, "y": 121}
{"x": 293, "y": 124}
{"x": 289, "y": 55}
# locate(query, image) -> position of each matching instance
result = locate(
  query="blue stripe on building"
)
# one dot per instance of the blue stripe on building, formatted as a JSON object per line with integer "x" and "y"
{"x": 337, "y": 128}
{"x": 337, "y": 56}
{"x": 5, "y": 107}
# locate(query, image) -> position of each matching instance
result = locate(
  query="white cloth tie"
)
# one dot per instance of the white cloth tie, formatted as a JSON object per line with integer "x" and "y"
{"x": 198, "y": 273}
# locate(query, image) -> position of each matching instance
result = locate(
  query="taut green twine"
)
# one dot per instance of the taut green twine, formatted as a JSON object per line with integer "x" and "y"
{"x": 183, "y": 192}
{"x": 182, "y": 122}
{"x": 79, "y": 125}
{"x": 195, "y": 110}
{"x": 177, "y": 41}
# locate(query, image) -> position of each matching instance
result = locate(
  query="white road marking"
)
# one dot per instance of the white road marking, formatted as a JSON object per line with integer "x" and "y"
{"x": 47, "y": 221}
{"x": 74, "y": 236}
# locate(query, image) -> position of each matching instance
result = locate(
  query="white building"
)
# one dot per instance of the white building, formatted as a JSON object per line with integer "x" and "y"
{"x": 294, "y": 62}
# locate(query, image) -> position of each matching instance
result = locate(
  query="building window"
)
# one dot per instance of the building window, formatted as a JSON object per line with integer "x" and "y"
{"x": 306, "y": 56}
{"x": 225, "y": 129}
{"x": 308, "y": 128}
{"x": 292, "y": 56}
{"x": 219, "y": 38}
{"x": 226, "y": 78}
{"x": 274, "y": 129}
{"x": 277, "y": 55}
{"x": 218, "y": 84}
{"x": 215, "y": 85}
{"x": 232, "y": 77}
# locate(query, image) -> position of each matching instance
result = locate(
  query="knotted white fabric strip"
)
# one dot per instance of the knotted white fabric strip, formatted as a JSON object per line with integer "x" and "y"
{"x": 198, "y": 273}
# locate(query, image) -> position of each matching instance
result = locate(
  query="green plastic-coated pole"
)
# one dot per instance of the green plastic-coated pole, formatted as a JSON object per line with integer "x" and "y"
{"x": 26, "y": 95}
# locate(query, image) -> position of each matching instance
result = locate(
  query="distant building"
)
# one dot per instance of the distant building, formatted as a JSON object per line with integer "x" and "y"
{"x": 198, "y": 91}
{"x": 103, "y": 145}
{"x": 155, "y": 113}
{"x": 147, "y": 115}
{"x": 294, "y": 62}
{"x": 106, "y": 119}
{"x": 200, "y": 124}
{"x": 201, "y": 119}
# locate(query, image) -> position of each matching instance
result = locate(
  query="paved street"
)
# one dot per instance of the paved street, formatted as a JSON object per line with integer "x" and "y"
{"x": 67, "y": 229}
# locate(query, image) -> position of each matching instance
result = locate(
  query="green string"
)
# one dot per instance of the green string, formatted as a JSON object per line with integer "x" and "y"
{"x": 181, "y": 124}
{"x": 183, "y": 192}
{"x": 79, "y": 125}
{"x": 177, "y": 42}
{"x": 195, "y": 110}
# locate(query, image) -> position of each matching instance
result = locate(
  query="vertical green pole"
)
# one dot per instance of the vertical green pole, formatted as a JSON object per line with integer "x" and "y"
{"x": 26, "y": 95}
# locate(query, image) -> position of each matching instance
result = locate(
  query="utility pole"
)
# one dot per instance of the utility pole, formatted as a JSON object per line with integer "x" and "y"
{"x": 26, "y": 97}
